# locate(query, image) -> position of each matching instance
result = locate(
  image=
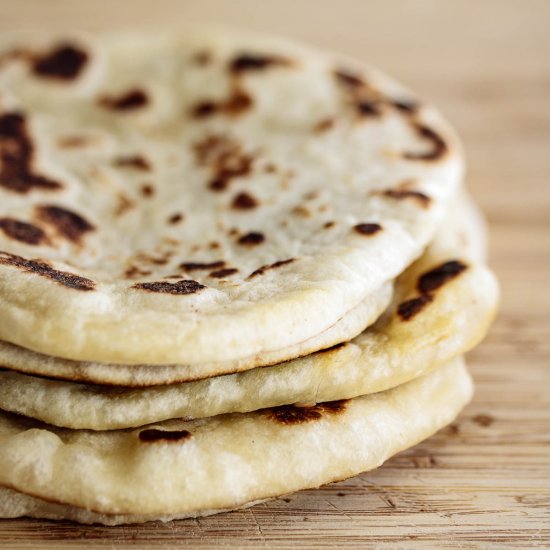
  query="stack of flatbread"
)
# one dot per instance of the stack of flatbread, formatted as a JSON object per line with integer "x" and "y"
{"x": 231, "y": 267}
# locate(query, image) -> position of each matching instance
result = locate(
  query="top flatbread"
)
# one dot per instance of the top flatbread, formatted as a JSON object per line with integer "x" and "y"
{"x": 203, "y": 197}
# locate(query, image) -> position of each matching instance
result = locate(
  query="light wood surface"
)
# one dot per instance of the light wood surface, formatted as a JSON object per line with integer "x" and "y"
{"x": 485, "y": 480}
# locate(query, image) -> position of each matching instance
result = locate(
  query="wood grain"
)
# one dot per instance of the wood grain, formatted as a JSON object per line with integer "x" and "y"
{"x": 484, "y": 481}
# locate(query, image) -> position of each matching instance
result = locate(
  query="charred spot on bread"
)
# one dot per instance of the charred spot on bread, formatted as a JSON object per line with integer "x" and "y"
{"x": 16, "y": 155}
{"x": 366, "y": 228}
{"x": 153, "y": 435}
{"x": 44, "y": 269}
{"x": 68, "y": 224}
{"x": 64, "y": 62}
{"x": 438, "y": 276}
{"x": 130, "y": 100}
{"x": 185, "y": 286}
{"x": 22, "y": 231}
{"x": 292, "y": 414}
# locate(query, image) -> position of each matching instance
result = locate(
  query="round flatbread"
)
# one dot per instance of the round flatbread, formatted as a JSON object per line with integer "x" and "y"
{"x": 204, "y": 198}
{"x": 463, "y": 235}
{"x": 444, "y": 305}
{"x": 184, "y": 469}
{"x": 21, "y": 359}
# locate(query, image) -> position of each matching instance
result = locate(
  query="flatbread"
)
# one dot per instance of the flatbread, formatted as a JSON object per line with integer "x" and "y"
{"x": 205, "y": 197}
{"x": 463, "y": 234}
{"x": 20, "y": 359}
{"x": 183, "y": 469}
{"x": 424, "y": 328}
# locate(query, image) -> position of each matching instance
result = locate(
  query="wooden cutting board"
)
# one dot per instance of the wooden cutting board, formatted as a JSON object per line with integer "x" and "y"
{"x": 485, "y": 480}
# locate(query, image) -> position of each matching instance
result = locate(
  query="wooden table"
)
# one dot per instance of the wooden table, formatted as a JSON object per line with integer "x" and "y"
{"x": 485, "y": 480}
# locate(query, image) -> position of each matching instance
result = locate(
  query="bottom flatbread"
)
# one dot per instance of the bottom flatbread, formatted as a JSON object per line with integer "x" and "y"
{"x": 178, "y": 469}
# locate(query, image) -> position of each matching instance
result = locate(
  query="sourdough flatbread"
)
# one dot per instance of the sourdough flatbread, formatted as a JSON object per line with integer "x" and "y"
{"x": 204, "y": 197}
{"x": 184, "y": 469}
{"x": 415, "y": 336}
